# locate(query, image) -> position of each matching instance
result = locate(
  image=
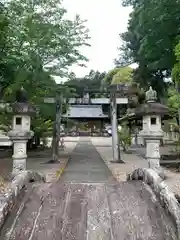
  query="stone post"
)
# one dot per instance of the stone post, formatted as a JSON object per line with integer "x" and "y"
{"x": 20, "y": 133}
{"x": 115, "y": 138}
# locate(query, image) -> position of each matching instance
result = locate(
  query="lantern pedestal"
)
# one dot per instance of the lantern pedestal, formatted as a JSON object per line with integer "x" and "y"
{"x": 19, "y": 157}
{"x": 152, "y": 140}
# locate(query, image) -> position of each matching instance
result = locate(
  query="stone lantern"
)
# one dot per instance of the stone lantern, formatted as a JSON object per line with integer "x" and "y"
{"x": 152, "y": 133}
{"x": 151, "y": 113}
{"x": 20, "y": 133}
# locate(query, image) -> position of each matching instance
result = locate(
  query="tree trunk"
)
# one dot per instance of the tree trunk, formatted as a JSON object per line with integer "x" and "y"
{"x": 54, "y": 145}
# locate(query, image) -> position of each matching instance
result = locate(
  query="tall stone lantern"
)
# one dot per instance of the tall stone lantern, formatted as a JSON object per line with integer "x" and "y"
{"x": 151, "y": 113}
{"x": 152, "y": 133}
{"x": 20, "y": 133}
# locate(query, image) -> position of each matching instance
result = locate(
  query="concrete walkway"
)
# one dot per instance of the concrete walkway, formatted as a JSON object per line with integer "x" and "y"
{"x": 86, "y": 165}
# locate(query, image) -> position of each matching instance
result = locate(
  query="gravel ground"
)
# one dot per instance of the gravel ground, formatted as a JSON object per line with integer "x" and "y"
{"x": 36, "y": 161}
{"x": 133, "y": 161}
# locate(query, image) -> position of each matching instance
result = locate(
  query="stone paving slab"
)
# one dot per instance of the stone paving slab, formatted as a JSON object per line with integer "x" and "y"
{"x": 92, "y": 212}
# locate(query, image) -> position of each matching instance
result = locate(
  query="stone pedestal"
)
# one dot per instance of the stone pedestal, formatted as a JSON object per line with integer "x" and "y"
{"x": 19, "y": 139}
{"x": 153, "y": 153}
{"x": 115, "y": 138}
{"x": 152, "y": 139}
{"x": 152, "y": 134}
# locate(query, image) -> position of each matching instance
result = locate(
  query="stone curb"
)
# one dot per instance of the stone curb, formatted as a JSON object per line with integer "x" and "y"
{"x": 119, "y": 176}
{"x": 62, "y": 168}
{"x": 164, "y": 195}
{"x": 63, "y": 165}
{"x": 8, "y": 199}
{"x": 114, "y": 173}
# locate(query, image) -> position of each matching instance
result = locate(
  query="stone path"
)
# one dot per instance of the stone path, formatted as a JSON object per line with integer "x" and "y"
{"x": 87, "y": 203}
{"x": 86, "y": 165}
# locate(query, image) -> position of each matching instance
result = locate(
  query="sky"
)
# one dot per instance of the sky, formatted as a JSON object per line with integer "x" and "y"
{"x": 105, "y": 20}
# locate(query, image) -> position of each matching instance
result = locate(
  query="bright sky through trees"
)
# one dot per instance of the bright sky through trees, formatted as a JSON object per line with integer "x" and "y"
{"x": 106, "y": 19}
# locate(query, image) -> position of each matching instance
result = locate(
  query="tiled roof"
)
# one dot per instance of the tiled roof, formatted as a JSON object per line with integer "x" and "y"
{"x": 85, "y": 111}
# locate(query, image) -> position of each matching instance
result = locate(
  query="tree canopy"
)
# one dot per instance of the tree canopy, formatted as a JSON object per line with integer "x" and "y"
{"x": 153, "y": 32}
{"x": 124, "y": 75}
{"x": 118, "y": 75}
{"x": 176, "y": 68}
{"x": 37, "y": 41}
{"x": 109, "y": 76}
{"x": 92, "y": 81}
{"x": 174, "y": 90}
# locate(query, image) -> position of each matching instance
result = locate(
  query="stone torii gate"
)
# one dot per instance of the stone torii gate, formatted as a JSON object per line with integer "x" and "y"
{"x": 57, "y": 101}
{"x": 113, "y": 90}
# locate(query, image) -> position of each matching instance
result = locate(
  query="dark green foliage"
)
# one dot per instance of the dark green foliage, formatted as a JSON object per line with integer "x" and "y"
{"x": 37, "y": 42}
{"x": 93, "y": 82}
{"x": 153, "y": 32}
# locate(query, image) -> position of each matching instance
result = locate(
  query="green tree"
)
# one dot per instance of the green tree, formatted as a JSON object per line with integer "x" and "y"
{"x": 92, "y": 81}
{"x": 173, "y": 100}
{"x": 176, "y": 68}
{"x": 7, "y": 67}
{"x": 152, "y": 34}
{"x": 124, "y": 75}
{"x": 37, "y": 41}
{"x": 174, "y": 91}
{"x": 41, "y": 32}
{"x": 109, "y": 76}
{"x": 124, "y": 137}
{"x": 42, "y": 40}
